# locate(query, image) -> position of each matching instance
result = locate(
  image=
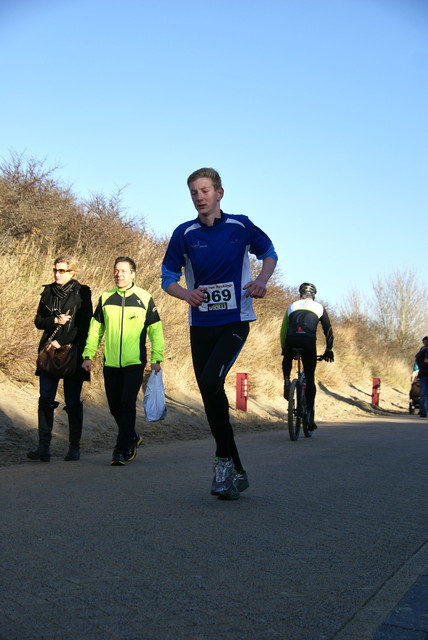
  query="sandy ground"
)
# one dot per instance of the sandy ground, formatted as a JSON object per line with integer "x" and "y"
{"x": 185, "y": 418}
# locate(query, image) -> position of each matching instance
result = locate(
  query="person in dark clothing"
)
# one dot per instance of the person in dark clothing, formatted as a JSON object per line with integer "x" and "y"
{"x": 65, "y": 305}
{"x": 299, "y": 330}
{"x": 422, "y": 363}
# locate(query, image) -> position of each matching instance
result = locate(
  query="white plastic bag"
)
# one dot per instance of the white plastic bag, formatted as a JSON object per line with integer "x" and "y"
{"x": 154, "y": 398}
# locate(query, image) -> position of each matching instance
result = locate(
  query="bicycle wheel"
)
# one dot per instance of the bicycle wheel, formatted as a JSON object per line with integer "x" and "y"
{"x": 293, "y": 407}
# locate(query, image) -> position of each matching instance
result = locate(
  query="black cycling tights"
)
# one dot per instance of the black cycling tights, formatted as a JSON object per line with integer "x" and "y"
{"x": 309, "y": 360}
{"x": 214, "y": 350}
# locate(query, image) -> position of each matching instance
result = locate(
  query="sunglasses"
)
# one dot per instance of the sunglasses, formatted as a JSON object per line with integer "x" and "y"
{"x": 61, "y": 271}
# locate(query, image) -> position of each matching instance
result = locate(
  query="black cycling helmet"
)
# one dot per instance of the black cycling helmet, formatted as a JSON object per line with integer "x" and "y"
{"x": 307, "y": 290}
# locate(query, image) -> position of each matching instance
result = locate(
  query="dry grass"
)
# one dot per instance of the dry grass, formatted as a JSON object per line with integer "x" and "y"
{"x": 39, "y": 220}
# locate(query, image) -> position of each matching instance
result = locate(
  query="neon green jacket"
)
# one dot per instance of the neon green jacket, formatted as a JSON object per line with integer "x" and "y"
{"x": 125, "y": 318}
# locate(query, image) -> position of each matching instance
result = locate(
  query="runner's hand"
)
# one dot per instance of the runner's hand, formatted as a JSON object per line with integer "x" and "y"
{"x": 195, "y": 298}
{"x": 255, "y": 289}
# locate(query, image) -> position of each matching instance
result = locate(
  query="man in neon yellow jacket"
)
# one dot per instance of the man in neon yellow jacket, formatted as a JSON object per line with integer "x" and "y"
{"x": 125, "y": 316}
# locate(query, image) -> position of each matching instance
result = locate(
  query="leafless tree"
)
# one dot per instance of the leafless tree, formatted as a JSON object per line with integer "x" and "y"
{"x": 354, "y": 309}
{"x": 400, "y": 309}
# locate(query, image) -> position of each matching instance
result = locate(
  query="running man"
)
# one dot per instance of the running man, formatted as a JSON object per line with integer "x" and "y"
{"x": 214, "y": 251}
{"x": 299, "y": 330}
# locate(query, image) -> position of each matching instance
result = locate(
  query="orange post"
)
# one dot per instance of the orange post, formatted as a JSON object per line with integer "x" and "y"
{"x": 241, "y": 391}
{"x": 375, "y": 391}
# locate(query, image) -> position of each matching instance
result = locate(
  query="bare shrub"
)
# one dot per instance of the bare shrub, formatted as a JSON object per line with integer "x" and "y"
{"x": 31, "y": 200}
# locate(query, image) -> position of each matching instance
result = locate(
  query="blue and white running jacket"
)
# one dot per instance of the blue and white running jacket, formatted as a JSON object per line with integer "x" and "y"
{"x": 216, "y": 258}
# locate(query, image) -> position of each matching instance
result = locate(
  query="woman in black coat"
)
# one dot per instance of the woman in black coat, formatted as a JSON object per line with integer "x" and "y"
{"x": 64, "y": 305}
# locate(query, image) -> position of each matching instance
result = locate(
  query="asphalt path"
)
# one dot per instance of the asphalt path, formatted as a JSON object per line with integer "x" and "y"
{"x": 328, "y": 543}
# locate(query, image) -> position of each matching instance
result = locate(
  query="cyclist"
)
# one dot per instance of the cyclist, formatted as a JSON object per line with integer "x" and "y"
{"x": 299, "y": 330}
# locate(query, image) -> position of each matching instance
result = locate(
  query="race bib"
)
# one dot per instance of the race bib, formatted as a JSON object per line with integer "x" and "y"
{"x": 218, "y": 297}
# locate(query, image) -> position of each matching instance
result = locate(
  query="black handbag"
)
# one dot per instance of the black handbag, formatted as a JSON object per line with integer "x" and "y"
{"x": 57, "y": 363}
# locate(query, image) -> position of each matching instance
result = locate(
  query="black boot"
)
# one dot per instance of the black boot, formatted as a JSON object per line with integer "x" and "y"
{"x": 75, "y": 421}
{"x": 45, "y": 416}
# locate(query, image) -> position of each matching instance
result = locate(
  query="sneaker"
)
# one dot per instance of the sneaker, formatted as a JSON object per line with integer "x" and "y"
{"x": 240, "y": 479}
{"x": 223, "y": 476}
{"x": 230, "y": 494}
{"x": 132, "y": 451}
{"x": 239, "y": 484}
{"x": 118, "y": 459}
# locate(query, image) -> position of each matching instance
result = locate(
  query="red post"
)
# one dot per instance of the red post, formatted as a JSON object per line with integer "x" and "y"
{"x": 375, "y": 391}
{"x": 241, "y": 391}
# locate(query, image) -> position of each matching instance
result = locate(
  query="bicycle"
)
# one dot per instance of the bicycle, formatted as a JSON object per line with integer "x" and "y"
{"x": 297, "y": 409}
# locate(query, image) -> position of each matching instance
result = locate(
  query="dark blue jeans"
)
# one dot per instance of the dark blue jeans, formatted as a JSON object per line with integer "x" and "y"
{"x": 72, "y": 390}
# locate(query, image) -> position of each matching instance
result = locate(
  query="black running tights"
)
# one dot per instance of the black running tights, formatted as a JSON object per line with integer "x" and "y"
{"x": 214, "y": 350}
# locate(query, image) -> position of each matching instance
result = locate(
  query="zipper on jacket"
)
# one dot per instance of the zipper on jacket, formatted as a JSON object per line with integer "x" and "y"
{"x": 121, "y": 330}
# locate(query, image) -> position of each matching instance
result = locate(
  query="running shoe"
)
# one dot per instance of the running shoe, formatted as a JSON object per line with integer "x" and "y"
{"x": 240, "y": 479}
{"x": 223, "y": 476}
{"x": 240, "y": 483}
{"x": 118, "y": 459}
{"x": 132, "y": 451}
{"x": 230, "y": 494}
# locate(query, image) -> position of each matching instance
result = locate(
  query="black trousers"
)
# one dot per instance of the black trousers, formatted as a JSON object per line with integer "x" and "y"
{"x": 309, "y": 360}
{"x": 214, "y": 350}
{"x": 122, "y": 387}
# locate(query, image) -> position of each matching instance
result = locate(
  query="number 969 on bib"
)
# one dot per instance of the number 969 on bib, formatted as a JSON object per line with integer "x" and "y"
{"x": 218, "y": 297}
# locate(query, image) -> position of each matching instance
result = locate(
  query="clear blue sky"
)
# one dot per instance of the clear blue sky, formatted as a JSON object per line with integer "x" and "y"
{"x": 313, "y": 111}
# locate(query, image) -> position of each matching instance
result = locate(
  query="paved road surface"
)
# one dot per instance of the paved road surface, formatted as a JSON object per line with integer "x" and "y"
{"x": 329, "y": 542}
